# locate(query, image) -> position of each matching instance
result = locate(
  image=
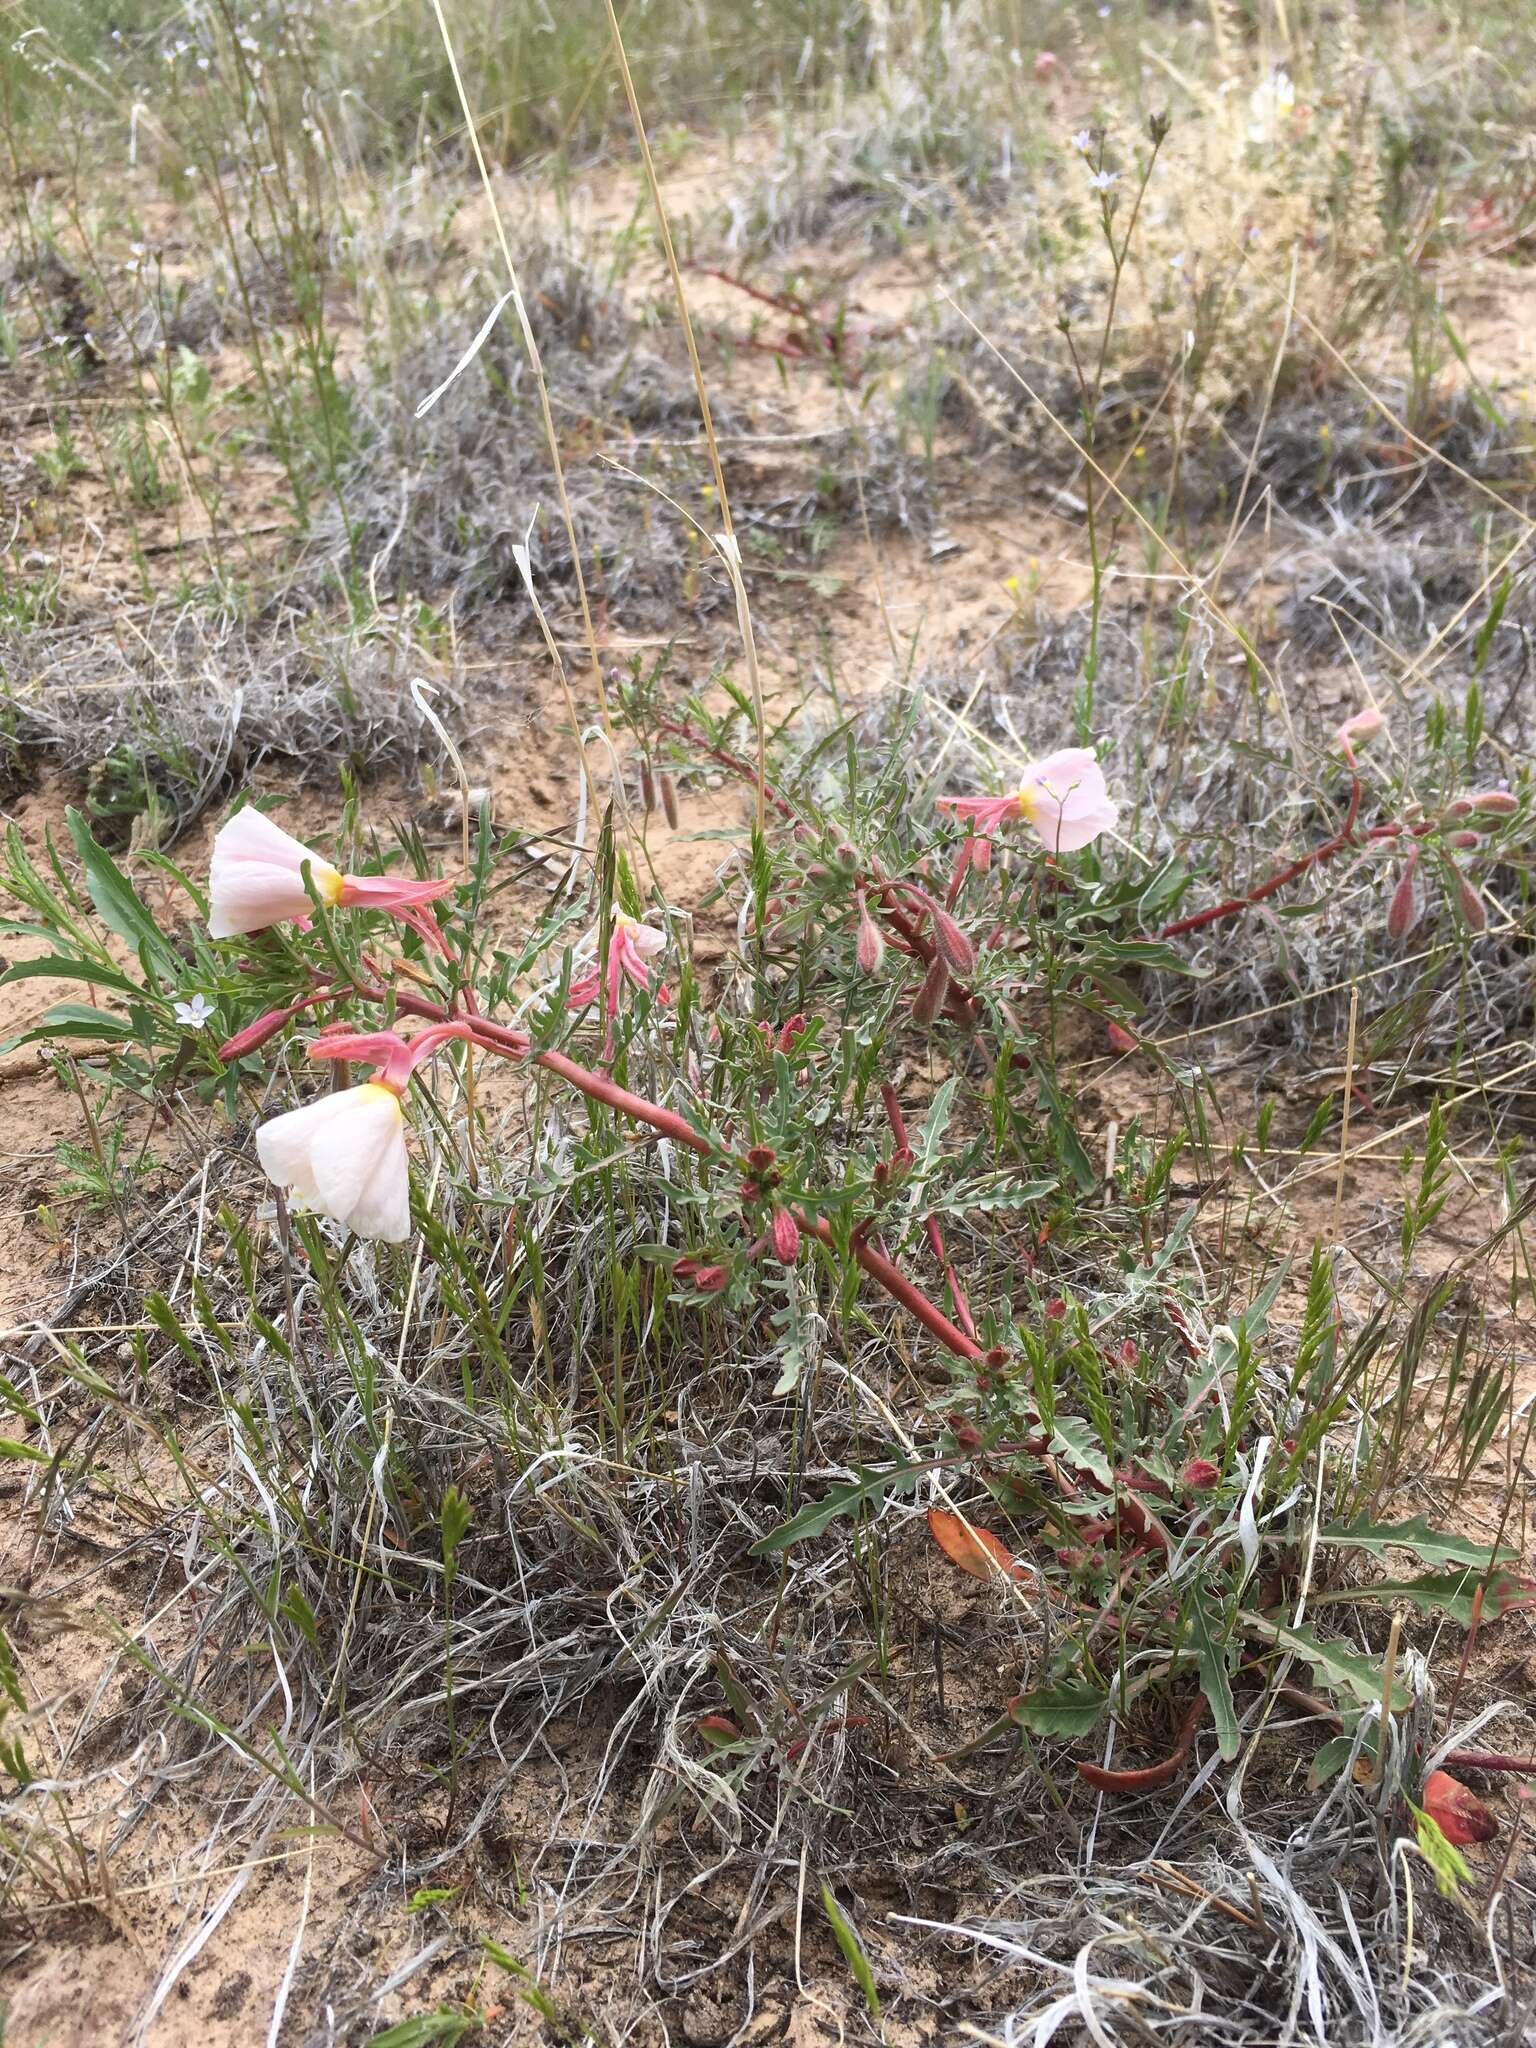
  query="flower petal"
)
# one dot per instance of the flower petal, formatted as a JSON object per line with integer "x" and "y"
{"x": 359, "y": 1164}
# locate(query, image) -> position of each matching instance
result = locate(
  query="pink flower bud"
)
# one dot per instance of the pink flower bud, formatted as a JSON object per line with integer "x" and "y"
{"x": 786, "y": 1236}
{"x": 871, "y": 946}
{"x": 1462, "y": 838}
{"x": 1403, "y": 910}
{"x": 1121, "y": 1039}
{"x": 1201, "y": 1472}
{"x": 710, "y": 1279}
{"x": 1473, "y": 908}
{"x": 1493, "y": 803}
{"x": 929, "y": 1000}
{"x": 255, "y": 1034}
{"x": 954, "y": 948}
{"x": 1045, "y": 64}
{"x": 1363, "y": 726}
{"x": 980, "y": 849}
{"x": 647, "y": 788}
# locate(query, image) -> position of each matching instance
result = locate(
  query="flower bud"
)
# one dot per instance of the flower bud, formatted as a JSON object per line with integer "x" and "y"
{"x": 1462, "y": 838}
{"x": 870, "y": 951}
{"x": 1121, "y": 1039}
{"x": 255, "y": 1034}
{"x": 710, "y": 1279}
{"x": 668, "y": 791}
{"x": 929, "y": 1000}
{"x": 1473, "y": 908}
{"x": 1201, "y": 1473}
{"x": 954, "y": 948}
{"x": 786, "y": 1236}
{"x": 647, "y": 788}
{"x": 1363, "y": 726}
{"x": 1045, "y": 64}
{"x": 1403, "y": 910}
{"x": 761, "y": 1157}
{"x": 1493, "y": 803}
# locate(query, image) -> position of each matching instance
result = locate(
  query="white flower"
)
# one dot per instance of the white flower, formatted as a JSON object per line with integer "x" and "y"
{"x": 194, "y": 1014}
{"x": 345, "y": 1156}
{"x": 1082, "y": 141}
{"x": 1102, "y": 181}
{"x": 1270, "y": 104}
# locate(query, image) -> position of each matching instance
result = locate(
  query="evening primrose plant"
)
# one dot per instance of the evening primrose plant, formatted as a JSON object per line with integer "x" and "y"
{"x": 859, "y": 1131}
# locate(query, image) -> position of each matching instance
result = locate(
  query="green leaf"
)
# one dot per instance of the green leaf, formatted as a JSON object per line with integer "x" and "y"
{"x": 117, "y": 902}
{"x": 1329, "y": 1761}
{"x": 55, "y": 968}
{"x": 11, "y": 1448}
{"x": 454, "y": 1521}
{"x": 298, "y": 1610}
{"x": 429, "y": 2028}
{"x": 1431, "y": 1546}
{"x": 1452, "y": 1593}
{"x": 1450, "y": 1867}
{"x": 853, "y": 1951}
{"x": 869, "y": 1488}
{"x": 1074, "y": 1440}
{"x": 72, "y": 1020}
{"x": 1211, "y": 1627}
{"x": 1341, "y": 1671}
{"x": 1060, "y": 1709}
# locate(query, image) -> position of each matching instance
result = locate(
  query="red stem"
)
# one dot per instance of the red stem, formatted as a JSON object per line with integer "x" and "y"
{"x": 510, "y": 1044}
{"x": 1342, "y": 838}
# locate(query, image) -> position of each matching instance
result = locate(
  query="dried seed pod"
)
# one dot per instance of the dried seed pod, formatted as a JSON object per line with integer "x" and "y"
{"x": 668, "y": 790}
{"x": 647, "y": 788}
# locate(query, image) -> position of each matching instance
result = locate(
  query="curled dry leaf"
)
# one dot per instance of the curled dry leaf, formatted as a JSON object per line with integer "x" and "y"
{"x": 976, "y": 1551}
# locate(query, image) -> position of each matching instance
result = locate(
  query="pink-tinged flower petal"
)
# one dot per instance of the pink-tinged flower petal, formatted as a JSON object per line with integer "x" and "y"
{"x": 255, "y": 877}
{"x": 1066, "y": 801}
{"x": 986, "y": 813}
{"x": 345, "y": 1154}
{"x": 1363, "y": 726}
{"x": 389, "y": 892}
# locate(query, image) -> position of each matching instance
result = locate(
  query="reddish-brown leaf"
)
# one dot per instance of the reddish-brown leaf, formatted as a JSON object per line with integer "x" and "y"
{"x": 1458, "y": 1813}
{"x": 976, "y": 1551}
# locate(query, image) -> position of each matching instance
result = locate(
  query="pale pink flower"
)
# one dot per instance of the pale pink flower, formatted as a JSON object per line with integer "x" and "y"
{"x": 1363, "y": 726}
{"x": 256, "y": 879}
{"x": 1063, "y": 799}
{"x": 345, "y": 1156}
{"x": 631, "y": 948}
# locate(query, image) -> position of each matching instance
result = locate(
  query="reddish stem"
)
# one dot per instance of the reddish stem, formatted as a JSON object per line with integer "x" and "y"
{"x": 1345, "y": 836}
{"x": 510, "y": 1044}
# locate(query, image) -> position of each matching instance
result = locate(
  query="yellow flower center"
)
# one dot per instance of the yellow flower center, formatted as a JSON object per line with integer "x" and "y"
{"x": 391, "y": 1095}
{"x": 327, "y": 880}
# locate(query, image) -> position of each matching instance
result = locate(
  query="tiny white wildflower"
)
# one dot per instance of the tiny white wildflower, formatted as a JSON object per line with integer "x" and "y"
{"x": 1082, "y": 141}
{"x": 1101, "y": 181}
{"x": 194, "y": 1014}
